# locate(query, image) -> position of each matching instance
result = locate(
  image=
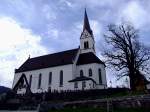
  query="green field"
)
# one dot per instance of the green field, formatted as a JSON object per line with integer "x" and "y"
{"x": 99, "y": 110}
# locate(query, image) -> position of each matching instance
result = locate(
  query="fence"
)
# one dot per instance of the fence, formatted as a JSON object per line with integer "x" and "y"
{"x": 30, "y": 101}
{"x": 78, "y": 94}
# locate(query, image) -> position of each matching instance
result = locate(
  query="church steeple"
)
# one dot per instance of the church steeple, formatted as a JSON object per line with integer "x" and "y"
{"x": 87, "y": 43}
{"x": 86, "y": 25}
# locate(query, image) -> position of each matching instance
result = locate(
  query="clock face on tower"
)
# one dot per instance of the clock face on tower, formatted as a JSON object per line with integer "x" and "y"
{"x": 85, "y": 34}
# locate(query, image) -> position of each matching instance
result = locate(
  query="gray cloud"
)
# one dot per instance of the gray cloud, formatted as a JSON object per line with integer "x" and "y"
{"x": 59, "y": 22}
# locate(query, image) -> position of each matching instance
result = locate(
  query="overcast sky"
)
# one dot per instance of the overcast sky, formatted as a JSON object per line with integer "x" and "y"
{"x": 38, "y": 27}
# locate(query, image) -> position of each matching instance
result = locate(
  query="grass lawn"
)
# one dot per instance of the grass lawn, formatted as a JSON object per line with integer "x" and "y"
{"x": 98, "y": 110}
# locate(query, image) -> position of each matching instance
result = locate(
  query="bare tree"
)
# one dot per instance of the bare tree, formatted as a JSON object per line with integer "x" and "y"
{"x": 126, "y": 53}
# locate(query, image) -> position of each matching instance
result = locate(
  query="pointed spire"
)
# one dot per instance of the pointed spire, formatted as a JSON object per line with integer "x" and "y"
{"x": 86, "y": 23}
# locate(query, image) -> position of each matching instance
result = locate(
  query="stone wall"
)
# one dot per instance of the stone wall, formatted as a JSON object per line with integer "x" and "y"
{"x": 142, "y": 101}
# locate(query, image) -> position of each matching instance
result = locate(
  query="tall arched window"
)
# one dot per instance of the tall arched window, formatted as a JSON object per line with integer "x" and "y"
{"x": 86, "y": 45}
{"x": 39, "y": 81}
{"x": 81, "y": 73}
{"x": 30, "y": 81}
{"x": 90, "y": 72}
{"x": 100, "y": 76}
{"x": 61, "y": 78}
{"x": 50, "y": 78}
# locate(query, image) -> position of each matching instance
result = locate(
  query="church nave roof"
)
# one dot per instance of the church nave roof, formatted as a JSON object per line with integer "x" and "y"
{"x": 87, "y": 58}
{"x": 50, "y": 60}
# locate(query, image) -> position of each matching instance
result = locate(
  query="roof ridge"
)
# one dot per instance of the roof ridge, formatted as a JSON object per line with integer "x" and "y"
{"x": 49, "y": 60}
{"x": 54, "y": 53}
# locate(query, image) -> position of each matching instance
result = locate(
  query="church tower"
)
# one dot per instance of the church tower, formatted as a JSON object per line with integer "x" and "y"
{"x": 87, "y": 43}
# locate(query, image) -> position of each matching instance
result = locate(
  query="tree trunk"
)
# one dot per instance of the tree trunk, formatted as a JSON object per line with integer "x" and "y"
{"x": 132, "y": 84}
{"x": 132, "y": 80}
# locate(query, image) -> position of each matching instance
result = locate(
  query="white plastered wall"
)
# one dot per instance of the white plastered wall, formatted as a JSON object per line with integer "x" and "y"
{"x": 95, "y": 75}
{"x": 67, "y": 75}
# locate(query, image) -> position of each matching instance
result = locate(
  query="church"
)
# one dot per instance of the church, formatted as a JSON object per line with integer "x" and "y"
{"x": 74, "y": 69}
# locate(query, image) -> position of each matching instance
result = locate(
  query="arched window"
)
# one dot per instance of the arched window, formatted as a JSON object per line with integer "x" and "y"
{"x": 76, "y": 85}
{"x": 81, "y": 73}
{"x": 50, "y": 78}
{"x": 21, "y": 81}
{"x": 100, "y": 76}
{"x": 39, "y": 81}
{"x": 83, "y": 85}
{"x": 30, "y": 81}
{"x": 86, "y": 45}
{"x": 90, "y": 72}
{"x": 61, "y": 78}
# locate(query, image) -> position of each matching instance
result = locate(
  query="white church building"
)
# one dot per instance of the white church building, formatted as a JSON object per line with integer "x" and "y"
{"x": 75, "y": 69}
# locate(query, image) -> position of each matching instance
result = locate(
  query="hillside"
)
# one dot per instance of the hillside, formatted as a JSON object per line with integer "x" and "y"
{"x": 4, "y": 89}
